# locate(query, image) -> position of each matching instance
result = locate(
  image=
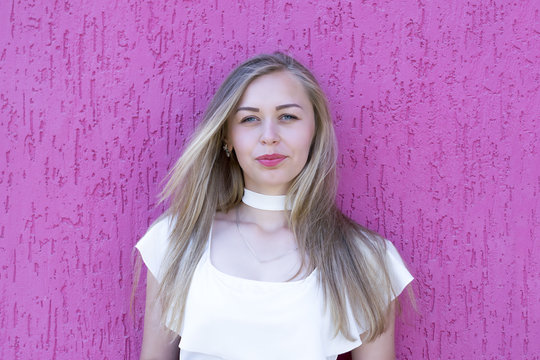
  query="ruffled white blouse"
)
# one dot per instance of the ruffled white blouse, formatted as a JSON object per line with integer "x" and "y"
{"x": 233, "y": 318}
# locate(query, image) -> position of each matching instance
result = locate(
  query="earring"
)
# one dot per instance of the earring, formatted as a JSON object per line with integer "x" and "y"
{"x": 227, "y": 151}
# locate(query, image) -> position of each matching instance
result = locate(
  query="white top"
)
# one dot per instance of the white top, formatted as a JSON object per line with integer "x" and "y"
{"x": 232, "y": 318}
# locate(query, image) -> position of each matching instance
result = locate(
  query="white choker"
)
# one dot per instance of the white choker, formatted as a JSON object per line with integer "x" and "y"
{"x": 265, "y": 202}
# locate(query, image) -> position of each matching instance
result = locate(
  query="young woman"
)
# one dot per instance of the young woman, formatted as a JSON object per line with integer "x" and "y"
{"x": 253, "y": 260}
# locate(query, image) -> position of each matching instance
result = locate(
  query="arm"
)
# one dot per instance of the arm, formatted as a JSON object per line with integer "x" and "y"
{"x": 159, "y": 343}
{"x": 382, "y": 348}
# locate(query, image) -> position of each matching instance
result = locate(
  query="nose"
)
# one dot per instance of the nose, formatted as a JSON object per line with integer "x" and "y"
{"x": 270, "y": 133}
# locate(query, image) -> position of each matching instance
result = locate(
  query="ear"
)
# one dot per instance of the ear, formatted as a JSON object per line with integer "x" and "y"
{"x": 225, "y": 134}
{"x": 226, "y": 144}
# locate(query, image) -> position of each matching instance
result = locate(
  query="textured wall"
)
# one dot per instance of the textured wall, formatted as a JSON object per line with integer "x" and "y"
{"x": 437, "y": 110}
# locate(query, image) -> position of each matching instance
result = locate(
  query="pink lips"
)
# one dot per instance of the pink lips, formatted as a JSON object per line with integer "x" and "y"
{"x": 270, "y": 160}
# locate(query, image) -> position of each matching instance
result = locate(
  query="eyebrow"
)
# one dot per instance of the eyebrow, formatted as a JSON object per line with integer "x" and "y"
{"x": 279, "y": 107}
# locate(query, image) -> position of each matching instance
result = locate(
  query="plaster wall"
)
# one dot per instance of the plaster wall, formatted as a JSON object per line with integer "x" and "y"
{"x": 436, "y": 106}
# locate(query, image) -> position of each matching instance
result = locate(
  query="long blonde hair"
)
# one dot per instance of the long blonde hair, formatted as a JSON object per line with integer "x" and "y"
{"x": 350, "y": 259}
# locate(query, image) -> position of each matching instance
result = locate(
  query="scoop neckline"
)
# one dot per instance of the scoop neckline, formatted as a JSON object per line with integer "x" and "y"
{"x": 239, "y": 279}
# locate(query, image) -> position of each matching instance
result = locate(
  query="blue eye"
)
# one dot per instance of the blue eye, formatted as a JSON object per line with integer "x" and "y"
{"x": 248, "y": 119}
{"x": 288, "y": 117}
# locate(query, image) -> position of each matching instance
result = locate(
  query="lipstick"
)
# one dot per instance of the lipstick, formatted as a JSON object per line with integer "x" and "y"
{"x": 270, "y": 160}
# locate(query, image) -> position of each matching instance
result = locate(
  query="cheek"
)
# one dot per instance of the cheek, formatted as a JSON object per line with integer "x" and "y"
{"x": 306, "y": 145}
{"x": 235, "y": 138}
{"x": 240, "y": 145}
{"x": 303, "y": 146}
{"x": 308, "y": 137}
{"x": 243, "y": 149}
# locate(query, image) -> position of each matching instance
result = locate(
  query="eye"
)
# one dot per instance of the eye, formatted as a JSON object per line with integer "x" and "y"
{"x": 288, "y": 117}
{"x": 248, "y": 119}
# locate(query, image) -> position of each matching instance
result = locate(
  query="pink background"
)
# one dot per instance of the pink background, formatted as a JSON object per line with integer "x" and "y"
{"x": 437, "y": 111}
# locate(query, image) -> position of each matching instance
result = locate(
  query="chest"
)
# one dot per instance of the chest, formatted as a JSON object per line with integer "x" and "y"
{"x": 235, "y": 318}
{"x": 248, "y": 252}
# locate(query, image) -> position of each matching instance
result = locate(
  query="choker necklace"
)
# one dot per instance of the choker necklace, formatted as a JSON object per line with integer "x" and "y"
{"x": 265, "y": 202}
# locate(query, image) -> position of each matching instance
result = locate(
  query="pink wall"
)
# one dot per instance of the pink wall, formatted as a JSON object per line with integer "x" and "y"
{"x": 437, "y": 110}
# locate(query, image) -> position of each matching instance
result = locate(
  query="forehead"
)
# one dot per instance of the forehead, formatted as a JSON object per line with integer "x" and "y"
{"x": 276, "y": 88}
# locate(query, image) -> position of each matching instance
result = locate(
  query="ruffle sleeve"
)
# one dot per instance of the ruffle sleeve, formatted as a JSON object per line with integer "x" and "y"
{"x": 400, "y": 276}
{"x": 153, "y": 246}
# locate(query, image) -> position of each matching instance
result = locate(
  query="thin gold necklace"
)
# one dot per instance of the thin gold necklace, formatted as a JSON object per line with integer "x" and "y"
{"x": 252, "y": 251}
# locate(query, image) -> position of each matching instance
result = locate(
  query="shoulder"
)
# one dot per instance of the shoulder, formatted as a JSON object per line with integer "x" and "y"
{"x": 153, "y": 245}
{"x": 157, "y": 232}
{"x": 369, "y": 242}
{"x": 381, "y": 254}
{"x": 398, "y": 272}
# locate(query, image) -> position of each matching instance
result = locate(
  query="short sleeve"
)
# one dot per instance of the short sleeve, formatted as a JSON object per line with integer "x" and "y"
{"x": 400, "y": 277}
{"x": 153, "y": 246}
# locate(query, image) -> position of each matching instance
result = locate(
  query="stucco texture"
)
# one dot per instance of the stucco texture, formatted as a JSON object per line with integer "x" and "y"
{"x": 436, "y": 106}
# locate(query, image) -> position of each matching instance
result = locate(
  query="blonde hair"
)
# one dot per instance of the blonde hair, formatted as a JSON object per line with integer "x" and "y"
{"x": 349, "y": 258}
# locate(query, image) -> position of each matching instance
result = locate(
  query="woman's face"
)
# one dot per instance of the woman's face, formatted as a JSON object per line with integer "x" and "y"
{"x": 271, "y": 132}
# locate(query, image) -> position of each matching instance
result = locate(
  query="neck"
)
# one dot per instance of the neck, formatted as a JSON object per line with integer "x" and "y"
{"x": 267, "y": 211}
